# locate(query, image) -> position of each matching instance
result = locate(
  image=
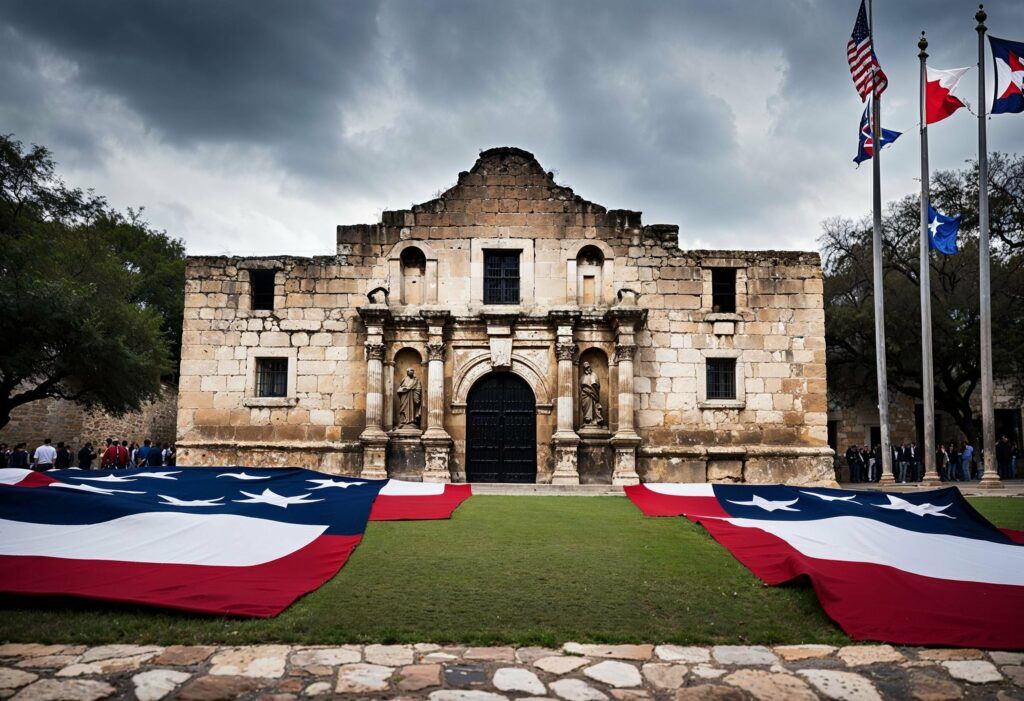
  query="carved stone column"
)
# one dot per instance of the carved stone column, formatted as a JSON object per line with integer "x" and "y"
{"x": 437, "y": 444}
{"x": 566, "y": 441}
{"x": 389, "y": 395}
{"x": 373, "y": 438}
{"x": 625, "y": 441}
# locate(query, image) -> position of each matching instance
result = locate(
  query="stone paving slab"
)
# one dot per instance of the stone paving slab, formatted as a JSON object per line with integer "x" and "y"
{"x": 576, "y": 672}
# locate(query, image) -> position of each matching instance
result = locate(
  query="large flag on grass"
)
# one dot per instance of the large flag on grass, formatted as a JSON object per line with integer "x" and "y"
{"x": 217, "y": 540}
{"x": 922, "y": 568}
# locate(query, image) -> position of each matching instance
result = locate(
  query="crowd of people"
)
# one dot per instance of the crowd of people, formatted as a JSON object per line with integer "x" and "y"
{"x": 953, "y": 463}
{"x": 112, "y": 455}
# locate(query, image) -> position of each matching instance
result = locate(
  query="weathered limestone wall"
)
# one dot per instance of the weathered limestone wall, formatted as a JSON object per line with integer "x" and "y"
{"x": 775, "y": 430}
{"x": 66, "y": 421}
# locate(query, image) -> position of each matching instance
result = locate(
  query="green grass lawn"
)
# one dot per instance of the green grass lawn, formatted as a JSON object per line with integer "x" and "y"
{"x": 520, "y": 570}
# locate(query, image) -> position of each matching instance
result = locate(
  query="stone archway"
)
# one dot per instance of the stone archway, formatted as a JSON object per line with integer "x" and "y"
{"x": 501, "y": 430}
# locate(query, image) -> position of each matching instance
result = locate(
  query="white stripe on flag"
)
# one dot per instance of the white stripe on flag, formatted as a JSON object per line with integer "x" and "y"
{"x": 13, "y": 475}
{"x": 401, "y": 488}
{"x": 856, "y": 539}
{"x": 699, "y": 489}
{"x": 166, "y": 537}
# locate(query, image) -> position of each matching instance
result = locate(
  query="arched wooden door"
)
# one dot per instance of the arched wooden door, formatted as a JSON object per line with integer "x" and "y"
{"x": 501, "y": 430}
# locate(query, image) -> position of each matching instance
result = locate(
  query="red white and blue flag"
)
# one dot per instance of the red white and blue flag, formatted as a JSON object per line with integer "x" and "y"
{"x": 860, "y": 54}
{"x": 866, "y": 139}
{"x": 919, "y": 568}
{"x": 216, "y": 540}
{"x": 1008, "y": 57}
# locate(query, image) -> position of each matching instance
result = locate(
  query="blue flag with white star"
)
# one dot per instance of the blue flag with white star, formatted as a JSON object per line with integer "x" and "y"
{"x": 942, "y": 231}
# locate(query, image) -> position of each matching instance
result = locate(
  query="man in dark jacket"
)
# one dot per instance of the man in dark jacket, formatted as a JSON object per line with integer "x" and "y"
{"x": 1004, "y": 454}
{"x": 854, "y": 463}
{"x": 63, "y": 460}
{"x": 85, "y": 456}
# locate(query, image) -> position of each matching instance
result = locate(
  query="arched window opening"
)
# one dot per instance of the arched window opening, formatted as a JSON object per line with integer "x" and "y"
{"x": 414, "y": 269}
{"x": 589, "y": 283}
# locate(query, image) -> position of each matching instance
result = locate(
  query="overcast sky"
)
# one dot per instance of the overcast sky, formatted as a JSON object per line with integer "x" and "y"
{"x": 256, "y": 127}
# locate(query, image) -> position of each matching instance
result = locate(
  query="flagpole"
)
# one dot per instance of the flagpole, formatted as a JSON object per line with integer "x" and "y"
{"x": 931, "y": 476}
{"x": 876, "y": 250}
{"x": 989, "y": 477}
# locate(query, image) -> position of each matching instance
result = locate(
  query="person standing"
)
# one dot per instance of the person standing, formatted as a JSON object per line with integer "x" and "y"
{"x": 171, "y": 457}
{"x": 85, "y": 456}
{"x": 20, "y": 457}
{"x": 966, "y": 458}
{"x": 153, "y": 456}
{"x": 109, "y": 458}
{"x": 853, "y": 463}
{"x": 123, "y": 455}
{"x": 1004, "y": 453}
{"x": 63, "y": 460}
{"x": 5, "y": 456}
{"x": 44, "y": 456}
{"x": 942, "y": 462}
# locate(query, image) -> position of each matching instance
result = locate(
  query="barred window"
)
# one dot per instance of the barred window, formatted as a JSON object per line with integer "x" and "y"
{"x": 261, "y": 286}
{"x": 272, "y": 377}
{"x": 721, "y": 378}
{"x": 723, "y": 290}
{"x": 501, "y": 277}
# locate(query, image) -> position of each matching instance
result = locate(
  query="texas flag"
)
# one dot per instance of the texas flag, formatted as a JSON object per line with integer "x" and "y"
{"x": 236, "y": 541}
{"x": 1009, "y": 60}
{"x": 940, "y": 100}
{"x": 919, "y": 568}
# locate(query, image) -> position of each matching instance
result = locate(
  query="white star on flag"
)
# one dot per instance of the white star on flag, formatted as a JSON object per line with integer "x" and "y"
{"x": 767, "y": 504}
{"x": 829, "y": 497}
{"x": 171, "y": 501}
{"x": 107, "y": 478}
{"x": 91, "y": 489}
{"x": 158, "y": 475}
{"x": 243, "y": 476}
{"x": 274, "y": 499}
{"x": 933, "y": 226}
{"x": 324, "y": 484}
{"x": 897, "y": 504}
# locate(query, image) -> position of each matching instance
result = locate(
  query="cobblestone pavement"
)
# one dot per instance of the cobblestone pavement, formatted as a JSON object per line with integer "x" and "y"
{"x": 443, "y": 673}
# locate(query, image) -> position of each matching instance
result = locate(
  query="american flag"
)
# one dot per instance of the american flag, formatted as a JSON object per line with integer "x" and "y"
{"x": 860, "y": 53}
{"x": 913, "y": 568}
{"x": 224, "y": 540}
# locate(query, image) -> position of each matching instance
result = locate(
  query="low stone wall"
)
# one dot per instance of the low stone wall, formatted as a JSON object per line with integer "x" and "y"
{"x": 66, "y": 421}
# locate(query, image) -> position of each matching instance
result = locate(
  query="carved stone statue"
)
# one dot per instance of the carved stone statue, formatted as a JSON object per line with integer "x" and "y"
{"x": 410, "y": 399}
{"x": 591, "y": 411}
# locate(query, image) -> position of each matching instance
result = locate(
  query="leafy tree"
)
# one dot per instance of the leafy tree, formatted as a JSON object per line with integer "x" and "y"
{"x": 90, "y": 299}
{"x": 849, "y": 298}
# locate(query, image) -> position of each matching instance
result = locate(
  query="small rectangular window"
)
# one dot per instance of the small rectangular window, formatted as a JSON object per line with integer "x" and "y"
{"x": 261, "y": 286}
{"x": 501, "y": 277}
{"x": 272, "y": 377}
{"x": 723, "y": 290}
{"x": 721, "y": 378}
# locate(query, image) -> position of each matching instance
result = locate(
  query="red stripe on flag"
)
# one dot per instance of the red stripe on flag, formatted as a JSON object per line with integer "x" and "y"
{"x": 420, "y": 508}
{"x": 259, "y": 590}
{"x": 1015, "y": 536}
{"x": 878, "y": 602}
{"x": 653, "y": 503}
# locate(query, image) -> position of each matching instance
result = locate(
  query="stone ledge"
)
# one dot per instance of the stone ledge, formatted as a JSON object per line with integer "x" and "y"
{"x": 573, "y": 672}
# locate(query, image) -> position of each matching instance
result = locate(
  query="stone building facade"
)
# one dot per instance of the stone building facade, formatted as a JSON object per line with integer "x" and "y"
{"x": 511, "y": 299}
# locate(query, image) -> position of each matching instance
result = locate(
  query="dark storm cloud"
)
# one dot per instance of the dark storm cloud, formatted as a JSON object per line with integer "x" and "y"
{"x": 717, "y": 115}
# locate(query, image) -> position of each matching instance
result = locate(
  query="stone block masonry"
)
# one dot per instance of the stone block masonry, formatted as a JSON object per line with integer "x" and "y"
{"x": 509, "y": 272}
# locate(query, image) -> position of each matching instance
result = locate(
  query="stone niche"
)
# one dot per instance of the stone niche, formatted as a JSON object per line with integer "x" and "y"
{"x": 596, "y": 458}
{"x": 406, "y": 457}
